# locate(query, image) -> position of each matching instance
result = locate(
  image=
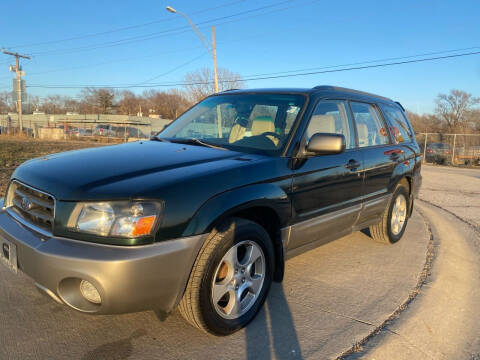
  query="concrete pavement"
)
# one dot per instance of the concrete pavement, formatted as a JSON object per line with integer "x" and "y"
{"x": 442, "y": 322}
{"x": 331, "y": 298}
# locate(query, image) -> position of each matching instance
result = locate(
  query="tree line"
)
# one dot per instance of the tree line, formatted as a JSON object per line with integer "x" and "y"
{"x": 455, "y": 112}
{"x": 167, "y": 104}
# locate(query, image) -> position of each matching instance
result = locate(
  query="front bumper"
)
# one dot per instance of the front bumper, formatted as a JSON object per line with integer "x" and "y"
{"x": 129, "y": 279}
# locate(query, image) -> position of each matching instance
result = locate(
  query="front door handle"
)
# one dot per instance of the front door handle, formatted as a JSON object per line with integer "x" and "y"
{"x": 352, "y": 164}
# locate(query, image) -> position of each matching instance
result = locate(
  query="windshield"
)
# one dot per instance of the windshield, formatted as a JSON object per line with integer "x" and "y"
{"x": 258, "y": 123}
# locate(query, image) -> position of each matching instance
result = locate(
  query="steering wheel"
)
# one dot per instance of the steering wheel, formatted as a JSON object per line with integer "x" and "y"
{"x": 275, "y": 135}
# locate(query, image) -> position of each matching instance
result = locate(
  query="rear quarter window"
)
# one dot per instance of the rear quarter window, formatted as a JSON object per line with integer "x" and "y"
{"x": 399, "y": 126}
{"x": 370, "y": 128}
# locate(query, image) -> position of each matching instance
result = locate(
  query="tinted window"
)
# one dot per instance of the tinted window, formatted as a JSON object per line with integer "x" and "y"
{"x": 370, "y": 127}
{"x": 398, "y": 124}
{"x": 331, "y": 117}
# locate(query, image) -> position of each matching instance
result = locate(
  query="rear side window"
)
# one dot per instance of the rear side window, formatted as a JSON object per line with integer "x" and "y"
{"x": 370, "y": 128}
{"x": 331, "y": 117}
{"x": 399, "y": 127}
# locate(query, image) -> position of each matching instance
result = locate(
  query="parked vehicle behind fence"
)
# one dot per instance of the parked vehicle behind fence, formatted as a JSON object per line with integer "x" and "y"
{"x": 439, "y": 153}
{"x": 204, "y": 215}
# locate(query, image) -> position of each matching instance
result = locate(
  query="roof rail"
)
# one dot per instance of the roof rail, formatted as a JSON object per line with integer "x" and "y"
{"x": 228, "y": 90}
{"x": 352, "y": 91}
{"x": 401, "y": 106}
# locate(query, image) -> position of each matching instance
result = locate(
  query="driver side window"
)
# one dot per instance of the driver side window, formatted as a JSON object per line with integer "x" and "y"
{"x": 331, "y": 117}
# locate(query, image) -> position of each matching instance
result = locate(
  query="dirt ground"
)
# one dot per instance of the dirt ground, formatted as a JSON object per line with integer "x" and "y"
{"x": 14, "y": 151}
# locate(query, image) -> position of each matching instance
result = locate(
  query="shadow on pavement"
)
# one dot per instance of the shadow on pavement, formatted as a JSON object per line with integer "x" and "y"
{"x": 272, "y": 334}
{"x": 121, "y": 349}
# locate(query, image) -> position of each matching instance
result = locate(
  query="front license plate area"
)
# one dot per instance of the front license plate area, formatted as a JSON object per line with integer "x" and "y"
{"x": 8, "y": 255}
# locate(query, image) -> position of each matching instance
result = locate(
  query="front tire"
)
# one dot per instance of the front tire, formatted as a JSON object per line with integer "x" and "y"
{"x": 230, "y": 278}
{"x": 394, "y": 219}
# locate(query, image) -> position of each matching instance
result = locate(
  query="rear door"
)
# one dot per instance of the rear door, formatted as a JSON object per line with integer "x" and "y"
{"x": 380, "y": 156}
{"x": 327, "y": 189}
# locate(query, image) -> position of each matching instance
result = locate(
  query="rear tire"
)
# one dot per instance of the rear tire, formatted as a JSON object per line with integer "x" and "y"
{"x": 236, "y": 260}
{"x": 394, "y": 219}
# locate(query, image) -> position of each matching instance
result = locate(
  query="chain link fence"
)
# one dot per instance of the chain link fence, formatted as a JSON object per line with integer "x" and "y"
{"x": 100, "y": 128}
{"x": 450, "y": 149}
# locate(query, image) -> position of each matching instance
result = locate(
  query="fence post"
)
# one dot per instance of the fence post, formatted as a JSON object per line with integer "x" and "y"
{"x": 453, "y": 150}
{"x": 425, "y": 147}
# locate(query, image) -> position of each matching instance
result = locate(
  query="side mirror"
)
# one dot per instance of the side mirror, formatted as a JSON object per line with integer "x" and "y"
{"x": 326, "y": 144}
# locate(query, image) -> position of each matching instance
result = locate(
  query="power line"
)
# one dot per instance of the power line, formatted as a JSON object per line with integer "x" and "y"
{"x": 170, "y": 32}
{"x": 109, "y": 62}
{"x": 172, "y": 70}
{"x": 78, "y": 37}
{"x": 265, "y": 77}
{"x": 366, "y": 62}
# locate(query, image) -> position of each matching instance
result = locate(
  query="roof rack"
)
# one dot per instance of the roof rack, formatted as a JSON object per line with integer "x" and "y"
{"x": 352, "y": 91}
{"x": 228, "y": 90}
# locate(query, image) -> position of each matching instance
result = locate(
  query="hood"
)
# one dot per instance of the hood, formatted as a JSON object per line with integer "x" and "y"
{"x": 87, "y": 174}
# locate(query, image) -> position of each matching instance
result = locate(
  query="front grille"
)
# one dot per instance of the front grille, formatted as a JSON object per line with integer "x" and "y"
{"x": 33, "y": 206}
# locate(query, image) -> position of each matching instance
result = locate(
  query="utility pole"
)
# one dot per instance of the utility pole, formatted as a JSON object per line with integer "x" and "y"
{"x": 214, "y": 54}
{"x": 18, "y": 71}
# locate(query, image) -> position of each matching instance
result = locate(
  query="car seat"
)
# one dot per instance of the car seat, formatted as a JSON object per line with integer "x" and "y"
{"x": 321, "y": 124}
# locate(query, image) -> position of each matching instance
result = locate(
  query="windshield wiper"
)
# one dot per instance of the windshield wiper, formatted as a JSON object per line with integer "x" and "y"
{"x": 156, "y": 138}
{"x": 195, "y": 141}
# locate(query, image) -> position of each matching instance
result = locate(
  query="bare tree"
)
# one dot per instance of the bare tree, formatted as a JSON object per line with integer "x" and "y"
{"x": 425, "y": 122}
{"x": 166, "y": 104}
{"x": 200, "y": 83}
{"x": 176, "y": 103}
{"x": 101, "y": 101}
{"x": 128, "y": 104}
{"x": 455, "y": 107}
{"x": 53, "y": 104}
{"x": 32, "y": 104}
{"x": 7, "y": 102}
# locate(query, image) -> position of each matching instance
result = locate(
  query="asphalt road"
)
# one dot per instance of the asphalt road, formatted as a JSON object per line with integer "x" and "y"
{"x": 331, "y": 297}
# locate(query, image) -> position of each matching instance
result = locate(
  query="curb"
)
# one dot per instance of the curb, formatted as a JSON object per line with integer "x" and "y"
{"x": 430, "y": 257}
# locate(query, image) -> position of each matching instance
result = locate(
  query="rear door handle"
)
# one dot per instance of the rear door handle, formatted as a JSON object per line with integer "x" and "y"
{"x": 394, "y": 153}
{"x": 352, "y": 165}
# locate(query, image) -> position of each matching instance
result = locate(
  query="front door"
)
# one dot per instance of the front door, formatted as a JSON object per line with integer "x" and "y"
{"x": 327, "y": 189}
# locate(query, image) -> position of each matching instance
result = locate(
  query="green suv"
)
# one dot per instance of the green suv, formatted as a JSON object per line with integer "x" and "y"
{"x": 204, "y": 215}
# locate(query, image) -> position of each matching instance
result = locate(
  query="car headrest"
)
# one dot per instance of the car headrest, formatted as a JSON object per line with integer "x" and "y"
{"x": 321, "y": 124}
{"x": 362, "y": 134}
{"x": 262, "y": 124}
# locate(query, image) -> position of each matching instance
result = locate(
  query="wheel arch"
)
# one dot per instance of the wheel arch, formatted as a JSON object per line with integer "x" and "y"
{"x": 266, "y": 204}
{"x": 407, "y": 180}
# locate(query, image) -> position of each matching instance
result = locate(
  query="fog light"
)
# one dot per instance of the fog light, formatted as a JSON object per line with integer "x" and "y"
{"x": 89, "y": 292}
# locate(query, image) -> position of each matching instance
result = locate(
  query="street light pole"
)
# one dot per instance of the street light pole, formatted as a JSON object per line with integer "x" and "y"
{"x": 212, "y": 51}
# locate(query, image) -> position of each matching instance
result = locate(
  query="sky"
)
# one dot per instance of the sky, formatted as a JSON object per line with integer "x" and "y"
{"x": 117, "y": 43}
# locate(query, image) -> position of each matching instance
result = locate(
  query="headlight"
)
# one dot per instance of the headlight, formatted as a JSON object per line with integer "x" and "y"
{"x": 122, "y": 218}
